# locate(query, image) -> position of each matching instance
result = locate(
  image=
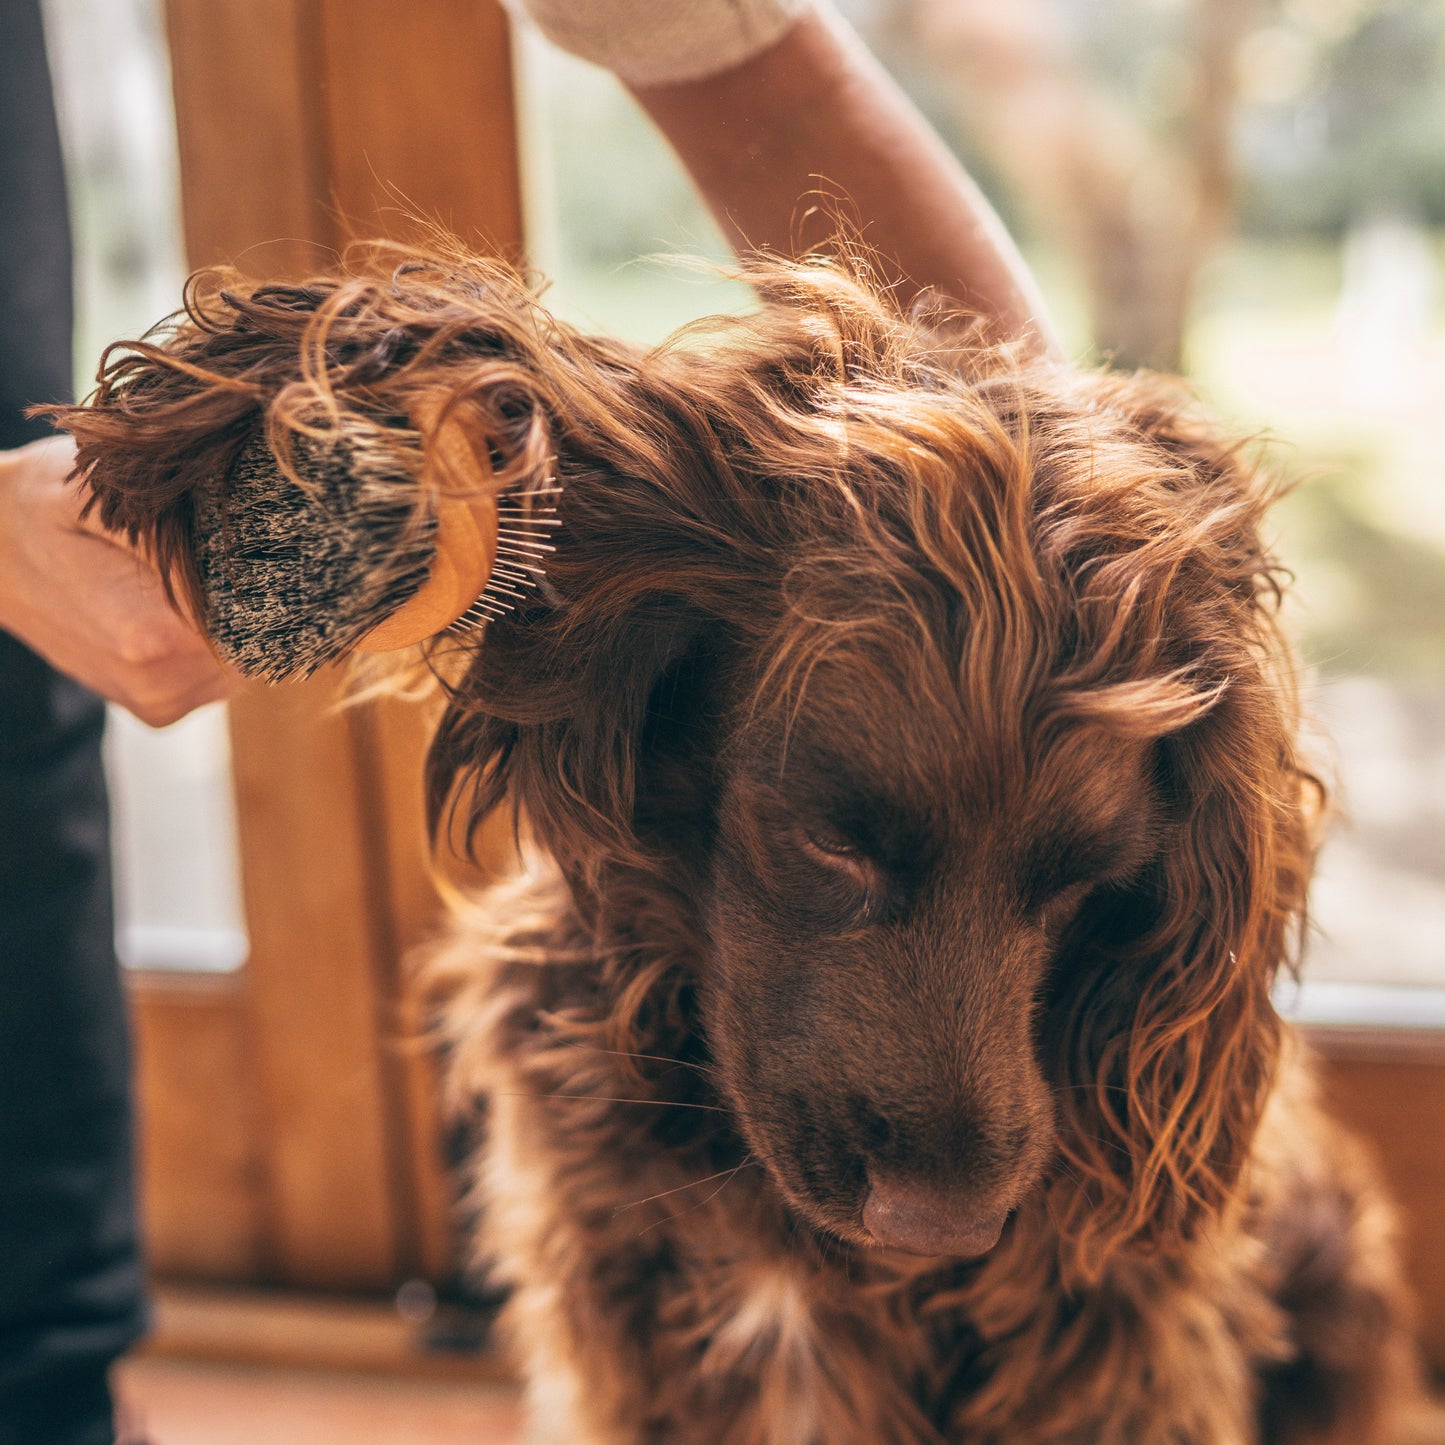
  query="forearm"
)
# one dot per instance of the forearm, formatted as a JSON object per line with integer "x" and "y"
{"x": 815, "y": 117}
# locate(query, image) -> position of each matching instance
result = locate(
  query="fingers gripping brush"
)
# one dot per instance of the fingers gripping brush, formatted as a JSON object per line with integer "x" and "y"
{"x": 340, "y": 467}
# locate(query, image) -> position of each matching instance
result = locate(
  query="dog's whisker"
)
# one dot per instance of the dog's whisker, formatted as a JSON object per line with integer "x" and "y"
{"x": 606, "y": 1099}
{"x": 1113, "y": 1144}
{"x": 701, "y": 1203}
{"x": 1077, "y": 1178}
{"x": 732, "y": 1174}
{"x": 708, "y": 1069}
{"x": 679, "y": 1188}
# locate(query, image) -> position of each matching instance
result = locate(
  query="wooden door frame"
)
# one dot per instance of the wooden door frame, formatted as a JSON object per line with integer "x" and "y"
{"x": 1388, "y": 1085}
{"x": 314, "y": 121}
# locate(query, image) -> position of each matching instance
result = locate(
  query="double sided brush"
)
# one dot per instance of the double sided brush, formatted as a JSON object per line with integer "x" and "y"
{"x": 341, "y": 551}
{"x": 347, "y": 465}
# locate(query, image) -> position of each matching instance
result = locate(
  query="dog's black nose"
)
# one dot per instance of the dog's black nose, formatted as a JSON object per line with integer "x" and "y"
{"x": 923, "y": 1219}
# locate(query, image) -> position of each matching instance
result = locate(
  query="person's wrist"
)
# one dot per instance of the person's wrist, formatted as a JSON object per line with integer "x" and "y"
{"x": 13, "y": 480}
{"x": 649, "y": 43}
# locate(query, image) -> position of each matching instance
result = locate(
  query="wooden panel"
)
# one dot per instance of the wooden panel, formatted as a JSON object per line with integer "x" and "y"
{"x": 1393, "y": 1092}
{"x": 311, "y": 1331}
{"x": 419, "y": 123}
{"x": 301, "y": 120}
{"x": 203, "y": 1187}
{"x": 419, "y": 117}
{"x": 252, "y": 171}
{"x": 252, "y": 164}
{"x": 315, "y": 985}
{"x": 194, "y": 1402}
{"x": 396, "y": 733}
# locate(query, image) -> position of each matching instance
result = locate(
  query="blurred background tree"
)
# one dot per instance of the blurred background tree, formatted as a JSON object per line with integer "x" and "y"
{"x": 1136, "y": 135}
{"x": 1110, "y": 134}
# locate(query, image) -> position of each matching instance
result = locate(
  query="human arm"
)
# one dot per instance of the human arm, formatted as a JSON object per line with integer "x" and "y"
{"x": 809, "y": 117}
{"x": 816, "y": 113}
{"x": 87, "y": 603}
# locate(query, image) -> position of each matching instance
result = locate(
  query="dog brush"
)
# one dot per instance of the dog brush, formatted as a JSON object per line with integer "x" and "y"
{"x": 348, "y": 464}
{"x": 299, "y": 571}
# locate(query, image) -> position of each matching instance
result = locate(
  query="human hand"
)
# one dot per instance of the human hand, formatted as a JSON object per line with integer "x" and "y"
{"x": 88, "y": 603}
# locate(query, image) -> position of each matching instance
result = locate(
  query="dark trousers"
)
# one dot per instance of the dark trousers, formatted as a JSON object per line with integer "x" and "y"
{"x": 71, "y": 1294}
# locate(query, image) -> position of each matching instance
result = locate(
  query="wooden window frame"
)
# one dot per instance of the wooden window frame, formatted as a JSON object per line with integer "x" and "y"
{"x": 290, "y": 1130}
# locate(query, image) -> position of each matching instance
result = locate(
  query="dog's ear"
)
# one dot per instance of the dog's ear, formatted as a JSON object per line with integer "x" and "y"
{"x": 592, "y": 706}
{"x": 1172, "y": 1038}
{"x": 691, "y": 476}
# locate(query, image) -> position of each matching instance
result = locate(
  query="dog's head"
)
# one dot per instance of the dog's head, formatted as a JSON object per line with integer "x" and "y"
{"x": 933, "y": 701}
{"x": 941, "y": 697}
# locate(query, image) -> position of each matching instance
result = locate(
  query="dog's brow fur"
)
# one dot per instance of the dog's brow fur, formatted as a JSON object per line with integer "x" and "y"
{"x": 913, "y": 749}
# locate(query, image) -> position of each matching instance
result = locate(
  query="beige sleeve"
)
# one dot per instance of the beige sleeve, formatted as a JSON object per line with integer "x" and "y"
{"x": 663, "y": 42}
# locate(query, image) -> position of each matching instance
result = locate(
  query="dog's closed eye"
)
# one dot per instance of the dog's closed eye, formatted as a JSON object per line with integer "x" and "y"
{"x": 1063, "y": 868}
{"x": 807, "y": 851}
{"x": 829, "y": 846}
{"x": 852, "y": 879}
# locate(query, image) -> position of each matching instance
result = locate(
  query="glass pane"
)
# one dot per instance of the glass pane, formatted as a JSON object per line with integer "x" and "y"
{"x": 178, "y": 902}
{"x": 177, "y": 881}
{"x": 1108, "y": 136}
{"x": 609, "y": 210}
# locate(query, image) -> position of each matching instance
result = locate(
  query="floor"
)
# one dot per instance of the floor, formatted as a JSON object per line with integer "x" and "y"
{"x": 183, "y": 1402}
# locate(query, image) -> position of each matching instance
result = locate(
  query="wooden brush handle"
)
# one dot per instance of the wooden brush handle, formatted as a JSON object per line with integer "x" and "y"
{"x": 459, "y": 476}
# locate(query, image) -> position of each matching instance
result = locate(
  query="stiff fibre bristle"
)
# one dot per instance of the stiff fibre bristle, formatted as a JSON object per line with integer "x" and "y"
{"x": 295, "y": 576}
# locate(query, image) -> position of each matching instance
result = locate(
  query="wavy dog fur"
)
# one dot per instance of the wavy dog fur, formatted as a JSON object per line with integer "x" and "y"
{"x": 884, "y": 1052}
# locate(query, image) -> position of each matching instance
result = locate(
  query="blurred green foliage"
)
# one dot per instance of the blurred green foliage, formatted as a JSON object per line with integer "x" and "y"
{"x": 1341, "y": 103}
{"x": 1370, "y": 598}
{"x": 1342, "y": 112}
{"x": 1358, "y": 124}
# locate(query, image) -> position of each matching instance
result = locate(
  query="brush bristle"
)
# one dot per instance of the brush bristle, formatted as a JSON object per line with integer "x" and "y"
{"x": 296, "y": 575}
{"x": 524, "y": 523}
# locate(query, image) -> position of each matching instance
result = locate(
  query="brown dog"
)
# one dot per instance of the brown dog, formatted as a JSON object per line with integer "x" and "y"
{"x": 885, "y": 1055}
